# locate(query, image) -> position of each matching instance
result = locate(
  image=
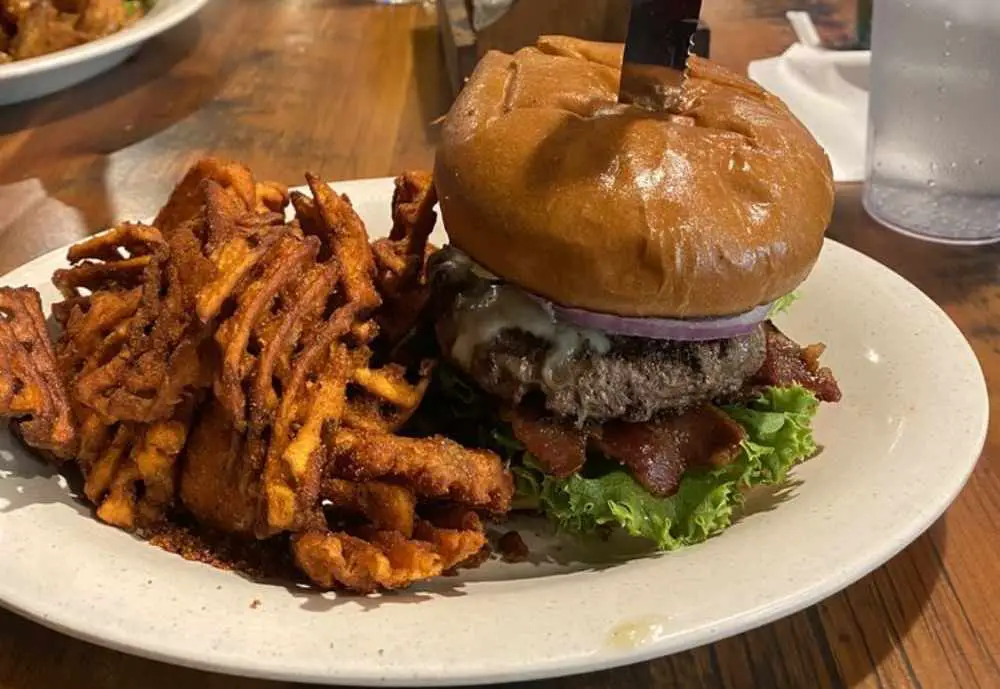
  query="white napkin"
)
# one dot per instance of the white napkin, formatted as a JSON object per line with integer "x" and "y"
{"x": 827, "y": 90}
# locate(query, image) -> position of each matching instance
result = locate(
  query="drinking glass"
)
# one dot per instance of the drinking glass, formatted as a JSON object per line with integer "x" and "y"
{"x": 933, "y": 158}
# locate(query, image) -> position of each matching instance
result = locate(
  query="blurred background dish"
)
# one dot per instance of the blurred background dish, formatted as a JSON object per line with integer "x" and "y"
{"x": 42, "y": 65}
{"x": 32, "y": 28}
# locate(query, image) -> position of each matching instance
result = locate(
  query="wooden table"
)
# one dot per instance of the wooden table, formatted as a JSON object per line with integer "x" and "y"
{"x": 350, "y": 90}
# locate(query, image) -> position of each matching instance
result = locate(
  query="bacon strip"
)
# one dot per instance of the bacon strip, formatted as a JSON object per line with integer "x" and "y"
{"x": 657, "y": 453}
{"x": 786, "y": 363}
{"x": 560, "y": 448}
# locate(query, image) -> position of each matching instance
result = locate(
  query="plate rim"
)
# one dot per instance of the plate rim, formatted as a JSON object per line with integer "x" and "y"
{"x": 137, "y": 33}
{"x": 751, "y": 617}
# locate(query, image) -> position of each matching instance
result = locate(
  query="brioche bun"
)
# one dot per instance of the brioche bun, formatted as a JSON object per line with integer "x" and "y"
{"x": 711, "y": 209}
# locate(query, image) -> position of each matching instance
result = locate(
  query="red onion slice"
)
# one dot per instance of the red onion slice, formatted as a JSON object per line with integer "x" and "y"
{"x": 680, "y": 329}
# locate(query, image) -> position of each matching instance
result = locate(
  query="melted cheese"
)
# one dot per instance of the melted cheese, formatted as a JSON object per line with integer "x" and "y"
{"x": 500, "y": 307}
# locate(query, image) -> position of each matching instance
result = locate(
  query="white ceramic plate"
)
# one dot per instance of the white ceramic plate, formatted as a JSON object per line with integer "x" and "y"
{"x": 897, "y": 451}
{"x": 40, "y": 76}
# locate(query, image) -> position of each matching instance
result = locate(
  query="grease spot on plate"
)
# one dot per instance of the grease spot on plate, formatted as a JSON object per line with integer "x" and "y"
{"x": 636, "y": 633}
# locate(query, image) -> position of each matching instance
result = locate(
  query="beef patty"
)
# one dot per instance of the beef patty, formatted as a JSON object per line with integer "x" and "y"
{"x": 634, "y": 380}
{"x": 630, "y": 378}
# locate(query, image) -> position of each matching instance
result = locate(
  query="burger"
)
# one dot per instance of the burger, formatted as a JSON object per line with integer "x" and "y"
{"x": 604, "y": 303}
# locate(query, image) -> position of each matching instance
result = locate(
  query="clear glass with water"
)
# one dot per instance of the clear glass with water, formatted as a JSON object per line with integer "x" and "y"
{"x": 934, "y": 119}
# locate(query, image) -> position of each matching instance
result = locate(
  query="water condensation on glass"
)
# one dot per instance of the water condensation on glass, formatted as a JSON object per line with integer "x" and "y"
{"x": 934, "y": 120}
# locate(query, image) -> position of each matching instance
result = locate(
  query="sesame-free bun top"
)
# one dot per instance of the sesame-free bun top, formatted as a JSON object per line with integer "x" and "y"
{"x": 711, "y": 209}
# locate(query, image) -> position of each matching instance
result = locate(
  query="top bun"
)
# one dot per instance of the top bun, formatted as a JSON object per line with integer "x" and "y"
{"x": 710, "y": 209}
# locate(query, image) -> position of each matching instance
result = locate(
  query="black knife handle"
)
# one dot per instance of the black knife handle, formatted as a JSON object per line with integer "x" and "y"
{"x": 660, "y": 32}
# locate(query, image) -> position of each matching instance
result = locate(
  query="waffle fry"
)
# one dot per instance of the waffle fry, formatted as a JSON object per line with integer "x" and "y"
{"x": 187, "y": 201}
{"x": 383, "y": 399}
{"x": 455, "y": 546}
{"x": 434, "y": 467}
{"x": 217, "y": 483}
{"x": 279, "y": 335}
{"x": 88, "y": 321}
{"x": 128, "y": 350}
{"x": 120, "y": 243}
{"x": 31, "y": 389}
{"x": 271, "y": 196}
{"x": 234, "y": 248}
{"x": 350, "y": 244}
{"x": 413, "y": 215}
{"x": 381, "y": 559}
{"x": 154, "y": 456}
{"x": 130, "y": 469}
{"x": 296, "y": 459}
{"x": 386, "y": 506}
{"x": 401, "y": 258}
{"x": 106, "y": 463}
{"x": 286, "y": 258}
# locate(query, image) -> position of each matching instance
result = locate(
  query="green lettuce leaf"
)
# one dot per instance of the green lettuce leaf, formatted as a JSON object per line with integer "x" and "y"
{"x": 779, "y": 435}
{"x": 782, "y": 304}
{"x": 133, "y": 6}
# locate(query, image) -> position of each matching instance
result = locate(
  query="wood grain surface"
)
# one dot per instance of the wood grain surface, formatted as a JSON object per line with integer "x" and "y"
{"x": 350, "y": 89}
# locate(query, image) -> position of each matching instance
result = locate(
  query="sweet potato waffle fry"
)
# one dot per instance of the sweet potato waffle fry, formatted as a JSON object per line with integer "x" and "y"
{"x": 381, "y": 559}
{"x": 401, "y": 258}
{"x": 349, "y": 242}
{"x": 187, "y": 202}
{"x": 31, "y": 389}
{"x": 387, "y": 507}
{"x": 287, "y": 258}
{"x": 384, "y": 399}
{"x": 295, "y": 461}
{"x": 130, "y": 338}
{"x": 230, "y": 369}
{"x": 218, "y": 483}
{"x": 435, "y": 468}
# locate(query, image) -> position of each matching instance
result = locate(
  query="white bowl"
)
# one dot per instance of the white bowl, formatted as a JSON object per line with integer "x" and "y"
{"x": 40, "y": 76}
